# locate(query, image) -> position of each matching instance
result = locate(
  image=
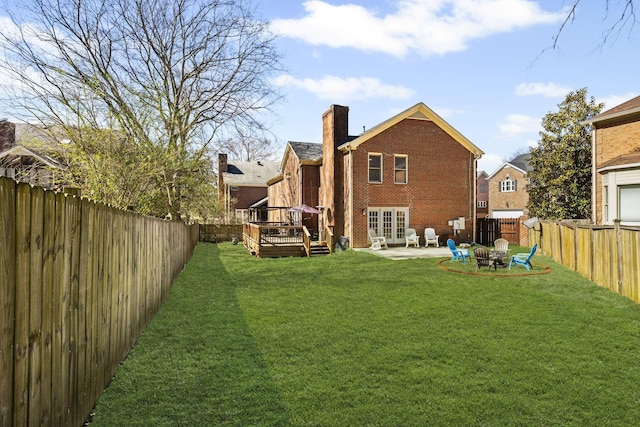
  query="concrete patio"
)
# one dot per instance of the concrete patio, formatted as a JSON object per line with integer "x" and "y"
{"x": 401, "y": 252}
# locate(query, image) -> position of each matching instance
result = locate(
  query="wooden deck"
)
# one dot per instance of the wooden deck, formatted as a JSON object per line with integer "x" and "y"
{"x": 274, "y": 241}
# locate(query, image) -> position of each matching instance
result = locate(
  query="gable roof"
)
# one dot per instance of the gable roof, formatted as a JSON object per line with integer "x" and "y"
{"x": 625, "y": 110}
{"x": 250, "y": 174}
{"x": 22, "y": 151}
{"x": 307, "y": 152}
{"x": 520, "y": 163}
{"x": 420, "y": 112}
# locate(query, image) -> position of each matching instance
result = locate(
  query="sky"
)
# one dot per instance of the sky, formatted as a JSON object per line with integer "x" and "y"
{"x": 488, "y": 67}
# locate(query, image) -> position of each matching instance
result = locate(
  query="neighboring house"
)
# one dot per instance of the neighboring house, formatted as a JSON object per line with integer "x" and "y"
{"x": 412, "y": 170}
{"x": 242, "y": 185}
{"x": 297, "y": 184}
{"x": 482, "y": 195}
{"x": 508, "y": 196}
{"x": 24, "y": 164}
{"x": 616, "y": 164}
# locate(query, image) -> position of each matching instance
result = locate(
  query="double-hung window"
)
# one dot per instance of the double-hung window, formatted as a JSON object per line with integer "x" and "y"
{"x": 375, "y": 168}
{"x": 400, "y": 169}
{"x": 629, "y": 200}
{"x": 508, "y": 185}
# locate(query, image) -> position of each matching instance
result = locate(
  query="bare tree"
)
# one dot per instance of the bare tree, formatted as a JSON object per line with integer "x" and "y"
{"x": 623, "y": 9}
{"x": 167, "y": 74}
{"x": 247, "y": 145}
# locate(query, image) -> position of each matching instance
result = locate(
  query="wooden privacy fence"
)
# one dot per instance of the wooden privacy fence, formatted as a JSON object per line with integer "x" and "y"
{"x": 220, "y": 232}
{"x": 79, "y": 281}
{"x": 606, "y": 255}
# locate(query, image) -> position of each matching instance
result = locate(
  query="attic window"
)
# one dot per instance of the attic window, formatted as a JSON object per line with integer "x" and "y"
{"x": 508, "y": 185}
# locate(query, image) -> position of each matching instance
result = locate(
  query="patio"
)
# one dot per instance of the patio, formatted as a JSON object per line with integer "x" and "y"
{"x": 402, "y": 252}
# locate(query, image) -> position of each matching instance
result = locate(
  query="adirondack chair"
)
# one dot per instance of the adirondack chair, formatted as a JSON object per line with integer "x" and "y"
{"x": 431, "y": 237}
{"x": 501, "y": 249}
{"x": 377, "y": 242}
{"x": 411, "y": 237}
{"x": 523, "y": 259}
{"x": 457, "y": 253}
{"x": 483, "y": 259}
{"x": 501, "y": 246}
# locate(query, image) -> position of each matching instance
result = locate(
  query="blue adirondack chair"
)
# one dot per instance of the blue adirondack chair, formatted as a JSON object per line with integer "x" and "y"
{"x": 457, "y": 253}
{"x": 523, "y": 259}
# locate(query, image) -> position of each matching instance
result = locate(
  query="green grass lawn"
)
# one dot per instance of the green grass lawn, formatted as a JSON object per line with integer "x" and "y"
{"x": 353, "y": 339}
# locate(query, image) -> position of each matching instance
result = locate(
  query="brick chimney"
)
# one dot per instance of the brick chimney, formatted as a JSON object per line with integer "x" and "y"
{"x": 335, "y": 130}
{"x": 222, "y": 167}
{"x": 7, "y": 134}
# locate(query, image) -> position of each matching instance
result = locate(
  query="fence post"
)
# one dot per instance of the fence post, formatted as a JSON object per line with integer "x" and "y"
{"x": 620, "y": 270}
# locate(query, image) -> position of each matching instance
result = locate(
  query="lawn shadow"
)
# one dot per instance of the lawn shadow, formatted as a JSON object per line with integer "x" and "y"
{"x": 197, "y": 362}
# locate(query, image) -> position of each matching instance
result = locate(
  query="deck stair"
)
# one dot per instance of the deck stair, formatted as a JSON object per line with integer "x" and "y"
{"x": 318, "y": 248}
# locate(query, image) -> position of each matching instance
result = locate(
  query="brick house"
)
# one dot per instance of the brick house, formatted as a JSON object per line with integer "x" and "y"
{"x": 508, "y": 196}
{"x": 616, "y": 164}
{"x": 242, "y": 185}
{"x": 24, "y": 164}
{"x": 482, "y": 195}
{"x": 412, "y": 170}
{"x": 297, "y": 183}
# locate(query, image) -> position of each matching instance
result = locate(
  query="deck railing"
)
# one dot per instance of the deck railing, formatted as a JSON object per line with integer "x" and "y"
{"x": 272, "y": 240}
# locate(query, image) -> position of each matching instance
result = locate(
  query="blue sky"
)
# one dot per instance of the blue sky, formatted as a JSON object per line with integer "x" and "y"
{"x": 485, "y": 66}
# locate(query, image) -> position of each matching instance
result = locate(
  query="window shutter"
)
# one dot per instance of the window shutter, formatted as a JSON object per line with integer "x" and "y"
{"x": 515, "y": 185}
{"x": 499, "y": 186}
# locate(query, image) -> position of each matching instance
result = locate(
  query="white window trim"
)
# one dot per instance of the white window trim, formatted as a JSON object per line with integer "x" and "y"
{"x": 507, "y": 185}
{"x": 369, "y": 168}
{"x": 611, "y": 183}
{"x": 406, "y": 169}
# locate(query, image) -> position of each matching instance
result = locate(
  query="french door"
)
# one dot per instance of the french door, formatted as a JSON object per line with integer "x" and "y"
{"x": 389, "y": 222}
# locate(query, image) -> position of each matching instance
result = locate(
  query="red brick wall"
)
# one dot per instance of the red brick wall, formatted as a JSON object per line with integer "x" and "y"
{"x": 482, "y": 183}
{"x": 246, "y": 196}
{"x": 440, "y": 179}
{"x": 7, "y": 135}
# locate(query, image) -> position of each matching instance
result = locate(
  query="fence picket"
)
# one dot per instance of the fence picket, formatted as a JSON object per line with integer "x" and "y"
{"x": 48, "y": 273}
{"x": 21, "y": 310}
{"x": 7, "y": 296}
{"x": 35, "y": 305}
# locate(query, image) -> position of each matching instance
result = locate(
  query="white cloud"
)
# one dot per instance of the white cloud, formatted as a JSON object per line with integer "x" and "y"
{"x": 549, "y": 90}
{"x": 489, "y": 163}
{"x": 427, "y": 27}
{"x": 338, "y": 89}
{"x": 614, "y": 100}
{"x": 516, "y": 125}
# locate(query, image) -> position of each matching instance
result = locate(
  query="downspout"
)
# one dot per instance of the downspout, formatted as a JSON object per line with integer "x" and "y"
{"x": 594, "y": 215}
{"x": 350, "y": 175}
{"x": 475, "y": 197}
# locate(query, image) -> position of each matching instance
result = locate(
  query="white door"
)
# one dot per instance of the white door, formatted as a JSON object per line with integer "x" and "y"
{"x": 389, "y": 222}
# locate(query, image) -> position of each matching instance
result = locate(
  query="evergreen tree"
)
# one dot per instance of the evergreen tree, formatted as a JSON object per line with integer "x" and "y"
{"x": 560, "y": 182}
